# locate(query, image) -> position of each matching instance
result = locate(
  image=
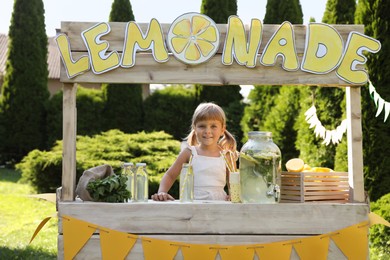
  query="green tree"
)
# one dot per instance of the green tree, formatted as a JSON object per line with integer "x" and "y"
{"x": 376, "y": 142}
{"x": 227, "y": 96}
{"x": 339, "y": 12}
{"x": 336, "y": 12}
{"x": 312, "y": 150}
{"x": 278, "y": 11}
{"x": 123, "y": 102}
{"x": 261, "y": 101}
{"x": 274, "y": 104}
{"x": 24, "y": 92}
{"x": 175, "y": 104}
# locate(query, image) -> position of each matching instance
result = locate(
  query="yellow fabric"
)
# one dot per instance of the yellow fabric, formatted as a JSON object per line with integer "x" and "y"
{"x": 277, "y": 250}
{"x": 115, "y": 244}
{"x": 376, "y": 219}
{"x": 315, "y": 247}
{"x": 353, "y": 241}
{"x": 76, "y": 234}
{"x": 158, "y": 249}
{"x": 198, "y": 251}
{"x": 236, "y": 252}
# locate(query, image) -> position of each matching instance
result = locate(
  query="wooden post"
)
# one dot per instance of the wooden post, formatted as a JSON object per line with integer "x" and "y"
{"x": 69, "y": 142}
{"x": 355, "y": 144}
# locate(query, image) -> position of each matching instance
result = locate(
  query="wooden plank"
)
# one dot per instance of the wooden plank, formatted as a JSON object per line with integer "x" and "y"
{"x": 355, "y": 144}
{"x": 116, "y": 37}
{"x": 216, "y": 217}
{"x": 213, "y": 72}
{"x": 69, "y": 142}
{"x": 91, "y": 250}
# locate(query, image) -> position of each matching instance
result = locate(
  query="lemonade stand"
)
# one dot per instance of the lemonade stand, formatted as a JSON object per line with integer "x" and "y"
{"x": 195, "y": 50}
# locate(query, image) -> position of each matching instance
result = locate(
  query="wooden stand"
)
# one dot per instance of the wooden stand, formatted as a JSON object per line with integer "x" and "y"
{"x": 223, "y": 223}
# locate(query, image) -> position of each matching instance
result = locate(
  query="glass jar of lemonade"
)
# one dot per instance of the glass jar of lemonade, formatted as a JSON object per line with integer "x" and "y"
{"x": 260, "y": 169}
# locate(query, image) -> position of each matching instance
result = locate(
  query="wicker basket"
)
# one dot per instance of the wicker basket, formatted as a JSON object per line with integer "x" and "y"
{"x": 315, "y": 187}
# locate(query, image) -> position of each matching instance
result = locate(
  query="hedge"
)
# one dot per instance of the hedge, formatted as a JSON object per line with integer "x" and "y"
{"x": 43, "y": 169}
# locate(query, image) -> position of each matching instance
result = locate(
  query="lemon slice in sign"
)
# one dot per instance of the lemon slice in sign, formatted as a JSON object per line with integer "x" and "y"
{"x": 193, "y": 38}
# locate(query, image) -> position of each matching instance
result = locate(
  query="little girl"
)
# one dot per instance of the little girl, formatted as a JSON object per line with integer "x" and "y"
{"x": 207, "y": 139}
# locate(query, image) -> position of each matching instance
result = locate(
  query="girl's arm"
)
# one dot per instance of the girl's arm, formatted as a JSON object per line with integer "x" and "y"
{"x": 170, "y": 176}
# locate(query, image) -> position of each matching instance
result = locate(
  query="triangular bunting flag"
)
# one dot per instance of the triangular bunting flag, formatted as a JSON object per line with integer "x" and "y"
{"x": 315, "y": 247}
{"x": 353, "y": 241}
{"x": 278, "y": 250}
{"x": 244, "y": 252}
{"x": 76, "y": 234}
{"x": 376, "y": 219}
{"x": 116, "y": 244}
{"x": 159, "y": 249}
{"x": 197, "y": 251}
{"x": 39, "y": 227}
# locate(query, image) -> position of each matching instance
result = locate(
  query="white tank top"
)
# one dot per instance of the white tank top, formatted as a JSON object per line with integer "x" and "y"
{"x": 209, "y": 176}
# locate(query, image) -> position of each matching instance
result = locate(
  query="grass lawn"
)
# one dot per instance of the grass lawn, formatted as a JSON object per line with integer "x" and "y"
{"x": 19, "y": 217}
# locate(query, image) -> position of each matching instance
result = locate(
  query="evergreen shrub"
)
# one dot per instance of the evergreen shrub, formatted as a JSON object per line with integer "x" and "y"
{"x": 90, "y": 117}
{"x": 43, "y": 169}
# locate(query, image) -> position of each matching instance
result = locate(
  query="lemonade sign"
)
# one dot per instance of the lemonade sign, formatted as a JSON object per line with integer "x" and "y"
{"x": 194, "y": 39}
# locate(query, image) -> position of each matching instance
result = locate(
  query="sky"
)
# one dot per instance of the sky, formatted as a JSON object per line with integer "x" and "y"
{"x": 165, "y": 11}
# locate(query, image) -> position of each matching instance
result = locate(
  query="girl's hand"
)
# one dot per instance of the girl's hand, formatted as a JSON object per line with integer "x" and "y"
{"x": 162, "y": 196}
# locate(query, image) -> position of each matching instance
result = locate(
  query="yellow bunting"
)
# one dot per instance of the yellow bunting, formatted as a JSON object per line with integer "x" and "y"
{"x": 353, "y": 56}
{"x": 159, "y": 249}
{"x": 198, "y": 251}
{"x": 76, "y": 234}
{"x": 353, "y": 241}
{"x": 72, "y": 67}
{"x": 135, "y": 40}
{"x": 39, "y": 227}
{"x": 324, "y": 49}
{"x": 116, "y": 244}
{"x": 282, "y": 43}
{"x": 315, "y": 247}
{"x": 277, "y": 250}
{"x": 245, "y": 53}
{"x": 236, "y": 252}
{"x": 100, "y": 60}
{"x": 376, "y": 219}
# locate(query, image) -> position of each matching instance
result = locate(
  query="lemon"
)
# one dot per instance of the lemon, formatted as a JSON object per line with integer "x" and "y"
{"x": 321, "y": 169}
{"x": 295, "y": 165}
{"x": 193, "y": 38}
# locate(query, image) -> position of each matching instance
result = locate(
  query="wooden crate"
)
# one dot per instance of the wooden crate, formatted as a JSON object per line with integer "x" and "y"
{"x": 315, "y": 186}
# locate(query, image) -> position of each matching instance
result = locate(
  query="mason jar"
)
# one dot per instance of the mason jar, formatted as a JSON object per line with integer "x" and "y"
{"x": 260, "y": 169}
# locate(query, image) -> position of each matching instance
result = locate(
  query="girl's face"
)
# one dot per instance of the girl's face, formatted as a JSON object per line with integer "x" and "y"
{"x": 208, "y": 132}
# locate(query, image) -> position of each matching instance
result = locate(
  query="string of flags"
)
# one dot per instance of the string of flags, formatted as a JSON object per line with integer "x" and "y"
{"x": 380, "y": 103}
{"x": 329, "y": 136}
{"x": 352, "y": 241}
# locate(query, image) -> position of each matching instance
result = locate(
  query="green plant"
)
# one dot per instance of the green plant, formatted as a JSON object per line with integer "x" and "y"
{"x": 109, "y": 189}
{"x": 380, "y": 234}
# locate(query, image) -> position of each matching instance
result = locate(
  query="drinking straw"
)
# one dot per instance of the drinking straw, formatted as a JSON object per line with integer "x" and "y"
{"x": 232, "y": 161}
{"x": 226, "y": 162}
